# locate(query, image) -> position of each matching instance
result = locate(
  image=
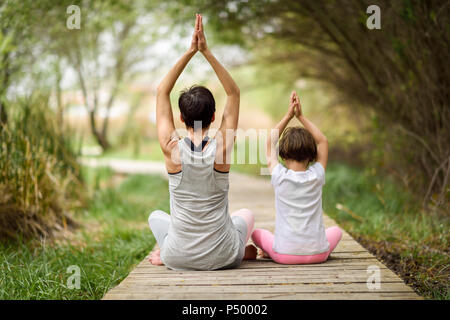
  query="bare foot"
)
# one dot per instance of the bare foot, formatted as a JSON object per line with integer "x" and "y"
{"x": 250, "y": 252}
{"x": 155, "y": 258}
{"x": 262, "y": 254}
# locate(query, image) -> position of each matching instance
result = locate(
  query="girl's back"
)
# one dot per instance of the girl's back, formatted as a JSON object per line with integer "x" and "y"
{"x": 299, "y": 228}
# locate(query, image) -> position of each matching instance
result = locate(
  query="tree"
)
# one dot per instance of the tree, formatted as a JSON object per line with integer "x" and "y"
{"x": 401, "y": 72}
{"x": 16, "y": 41}
{"x": 103, "y": 53}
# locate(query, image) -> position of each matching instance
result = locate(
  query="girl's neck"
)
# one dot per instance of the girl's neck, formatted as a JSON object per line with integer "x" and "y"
{"x": 296, "y": 166}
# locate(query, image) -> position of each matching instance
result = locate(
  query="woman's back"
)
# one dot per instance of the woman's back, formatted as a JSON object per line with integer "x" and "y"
{"x": 201, "y": 234}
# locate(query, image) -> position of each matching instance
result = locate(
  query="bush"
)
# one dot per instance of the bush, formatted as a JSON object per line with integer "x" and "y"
{"x": 39, "y": 175}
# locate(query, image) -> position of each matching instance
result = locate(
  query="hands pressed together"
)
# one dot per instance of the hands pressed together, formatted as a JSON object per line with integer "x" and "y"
{"x": 295, "y": 108}
{"x": 198, "y": 42}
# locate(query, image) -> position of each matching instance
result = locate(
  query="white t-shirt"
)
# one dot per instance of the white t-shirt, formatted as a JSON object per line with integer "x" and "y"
{"x": 299, "y": 228}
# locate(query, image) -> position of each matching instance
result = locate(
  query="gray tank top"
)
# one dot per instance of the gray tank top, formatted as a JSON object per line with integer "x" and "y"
{"x": 201, "y": 235}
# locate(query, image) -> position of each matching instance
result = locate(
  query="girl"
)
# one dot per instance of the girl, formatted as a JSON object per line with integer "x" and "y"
{"x": 300, "y": 236}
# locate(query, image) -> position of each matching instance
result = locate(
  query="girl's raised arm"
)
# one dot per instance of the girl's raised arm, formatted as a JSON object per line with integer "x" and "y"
{"x": 272, "y": 140}
{"x": 319, "y": 137}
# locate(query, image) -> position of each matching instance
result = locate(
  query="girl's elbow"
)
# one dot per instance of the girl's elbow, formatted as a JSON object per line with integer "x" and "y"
{"x": 324, "y": 141}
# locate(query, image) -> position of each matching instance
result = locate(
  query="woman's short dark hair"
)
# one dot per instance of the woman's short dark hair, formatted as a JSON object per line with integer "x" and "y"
{"x": 197, "y": 104}
{"x": 298, "y": 144}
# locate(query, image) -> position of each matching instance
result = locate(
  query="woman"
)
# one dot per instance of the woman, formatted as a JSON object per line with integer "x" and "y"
{"x": 199, "y": 234}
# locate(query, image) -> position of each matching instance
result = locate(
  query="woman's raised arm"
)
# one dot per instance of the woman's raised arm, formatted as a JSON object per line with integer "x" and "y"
{"x": 164, "y": 116}
{"x": 231, "y": 112}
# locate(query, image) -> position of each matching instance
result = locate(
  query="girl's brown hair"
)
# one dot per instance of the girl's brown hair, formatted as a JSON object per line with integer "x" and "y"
{"x": 298, "y": 144}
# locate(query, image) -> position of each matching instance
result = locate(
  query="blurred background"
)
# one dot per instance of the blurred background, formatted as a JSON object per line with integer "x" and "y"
{"x": 70, "y": 96}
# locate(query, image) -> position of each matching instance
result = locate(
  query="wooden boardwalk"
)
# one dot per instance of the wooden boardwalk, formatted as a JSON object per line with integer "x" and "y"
{"x": 343, "y": 276}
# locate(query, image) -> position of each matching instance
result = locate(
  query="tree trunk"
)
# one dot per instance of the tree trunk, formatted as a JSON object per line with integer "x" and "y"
{"x": 3, "y": 115}
{"x": 101, "y": 138}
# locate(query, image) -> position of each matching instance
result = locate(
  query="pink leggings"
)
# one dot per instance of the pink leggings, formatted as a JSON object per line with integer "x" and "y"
{"x": 249, "y": 219}
{"x": 264, "y": 240}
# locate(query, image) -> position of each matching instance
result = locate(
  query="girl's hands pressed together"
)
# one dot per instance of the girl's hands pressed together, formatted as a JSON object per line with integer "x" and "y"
{"x": 298, "y": 106}
{"x": 294, "y": 106}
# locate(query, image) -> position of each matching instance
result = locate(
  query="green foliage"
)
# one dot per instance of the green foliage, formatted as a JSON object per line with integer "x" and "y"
{"x": 39, "y": 175}
{"x": 130, "y": 201}
{"x": 114, "y": 238}
{"x": 374, "y": 209}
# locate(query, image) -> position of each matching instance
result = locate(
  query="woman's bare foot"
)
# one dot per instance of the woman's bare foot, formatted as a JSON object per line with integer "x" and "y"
{"x": 262, "y": 254}
{"x": 155, "y": 258}
{"x": 250, "y": 252}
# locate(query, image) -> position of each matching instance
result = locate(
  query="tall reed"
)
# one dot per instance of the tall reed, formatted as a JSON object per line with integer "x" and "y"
{"x": 40, "y": 179}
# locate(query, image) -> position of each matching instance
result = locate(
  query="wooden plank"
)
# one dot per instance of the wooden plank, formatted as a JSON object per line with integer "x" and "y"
{"x": 268, "y": 276}
{"x": 265, "y": 296}
{"x": 343, "y": 255}
{"x": 248, "y": 281}
{"x": 262, "y": 271}
{"x": 309, "y": 271}
{"x": 270, "y": 288}
{"x": 331, "y": 262}
{"x": 263, "y": 263}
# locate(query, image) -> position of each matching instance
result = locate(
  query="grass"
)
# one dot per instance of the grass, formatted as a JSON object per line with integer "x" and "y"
{"x": 39, "y": 175}
{"x": 148, "y": 150}
{"x": 387, "y": 220}
{"x": 113, "y": 239}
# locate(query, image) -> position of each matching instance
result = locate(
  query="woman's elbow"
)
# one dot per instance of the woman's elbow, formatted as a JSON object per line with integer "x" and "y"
{"x": 235, "y": 91}
{"x": 161, "y": 89}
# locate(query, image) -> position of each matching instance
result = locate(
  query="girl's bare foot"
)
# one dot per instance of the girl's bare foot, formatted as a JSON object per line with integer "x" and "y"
{"x": 262, "y": 254}
{"x": 250, "y": 252}
{"x": 155, "y": 258}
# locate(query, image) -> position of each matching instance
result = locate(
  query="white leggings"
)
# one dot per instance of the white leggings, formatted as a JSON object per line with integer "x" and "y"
{"x": 243, "y": 220}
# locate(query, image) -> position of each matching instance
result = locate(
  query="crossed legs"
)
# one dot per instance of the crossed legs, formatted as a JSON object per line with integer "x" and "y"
{"x": 159, "y": 223}
{"x": 264, "y": 240}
